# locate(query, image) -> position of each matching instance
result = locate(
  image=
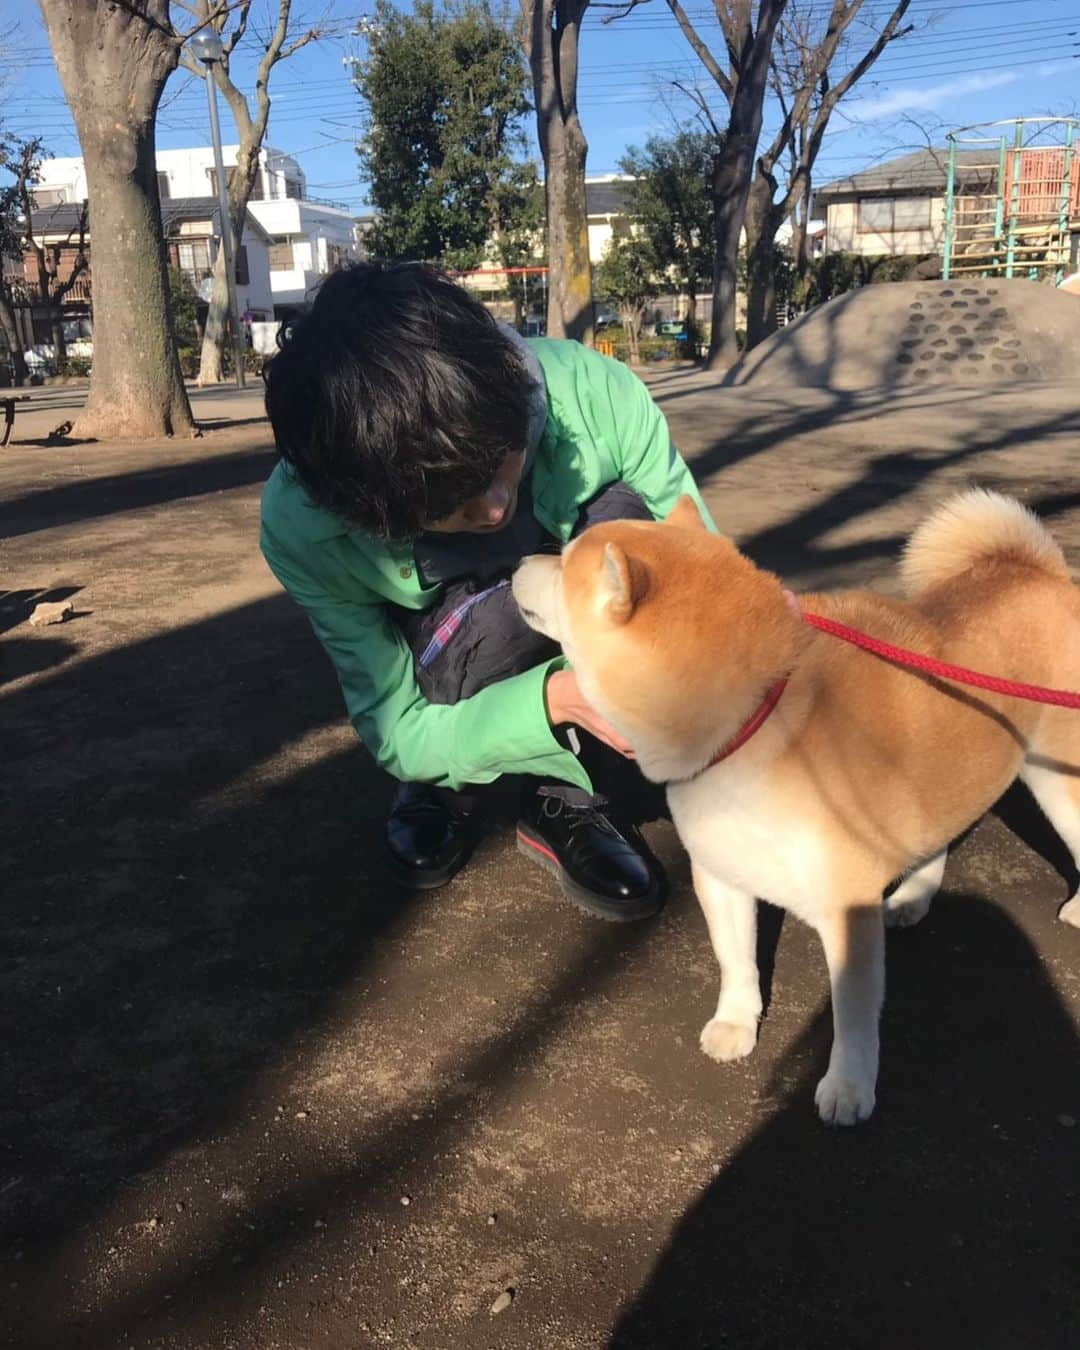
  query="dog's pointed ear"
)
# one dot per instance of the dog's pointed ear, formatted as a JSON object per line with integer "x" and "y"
{"x": 686, "y": 515}
{"x": 626, "y": 582}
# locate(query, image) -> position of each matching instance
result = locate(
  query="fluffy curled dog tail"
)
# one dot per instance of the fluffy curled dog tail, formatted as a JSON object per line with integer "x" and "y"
{"x": 975, "y": 527}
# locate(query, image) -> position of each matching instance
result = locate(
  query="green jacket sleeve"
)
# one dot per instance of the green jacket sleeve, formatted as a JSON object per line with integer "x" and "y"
{"x": 502, "y": 729}
{"x": 648, "y": 460}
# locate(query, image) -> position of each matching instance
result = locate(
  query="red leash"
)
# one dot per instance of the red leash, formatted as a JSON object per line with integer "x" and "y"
{"x": 900, "y": 656}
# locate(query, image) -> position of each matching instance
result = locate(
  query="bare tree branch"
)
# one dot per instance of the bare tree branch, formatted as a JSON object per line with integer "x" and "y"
{"x": 191, "y": 65}
{"x": 802, "y": 59}
{"x": 701, "y": 103}
{"x": 312, "y": 36}
{"x": 706, "y": 57}
{"x": 241, "y": 28}
{"x": 48, "y": 257}
{"x": 624, "y": 7}
{"x": 251, "y": 114}
{"x": 889, "y": 33}
{"x": 807, "y": 75}
{"x": 208, "y": 16}
{"x": 81, "y": 262}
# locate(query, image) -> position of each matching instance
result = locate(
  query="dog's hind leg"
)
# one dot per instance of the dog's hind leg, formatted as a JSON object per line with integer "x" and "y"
{"x": 911, "y": 900}
{"x": 1055, "y": 785}
{"x": 731, "y": 916}
{"x": 854, "y": 941}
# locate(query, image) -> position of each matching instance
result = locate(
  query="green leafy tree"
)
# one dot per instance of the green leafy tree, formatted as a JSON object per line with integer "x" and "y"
{"x": 446, "y": 92}
{"x": 517, "y": 217}
{"x": 10, "y": 247}
{"x": 672, "y": 206}
{"x": 185, "y": 321}
{"x": 628, "y": 278}
{"x": 837, "y": 273}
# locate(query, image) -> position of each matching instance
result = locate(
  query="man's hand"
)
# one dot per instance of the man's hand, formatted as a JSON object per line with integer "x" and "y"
{"x": 566, "y": 703}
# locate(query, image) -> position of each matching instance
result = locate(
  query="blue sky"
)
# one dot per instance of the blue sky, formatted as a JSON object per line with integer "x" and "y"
{"x": 969, "y": 61}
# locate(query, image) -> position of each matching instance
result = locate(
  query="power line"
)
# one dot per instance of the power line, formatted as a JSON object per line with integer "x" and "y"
{"x": 663, "y": 17}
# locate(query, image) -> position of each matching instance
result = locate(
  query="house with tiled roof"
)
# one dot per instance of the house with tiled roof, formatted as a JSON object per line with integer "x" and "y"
{"x": 897, "y": 206}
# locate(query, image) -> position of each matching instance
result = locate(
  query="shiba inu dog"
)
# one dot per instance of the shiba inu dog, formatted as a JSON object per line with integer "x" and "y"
{"x": 809, "y": 773}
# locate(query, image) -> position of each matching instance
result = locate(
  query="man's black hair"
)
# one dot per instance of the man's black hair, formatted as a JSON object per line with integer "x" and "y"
{"x": 395, "y": 397}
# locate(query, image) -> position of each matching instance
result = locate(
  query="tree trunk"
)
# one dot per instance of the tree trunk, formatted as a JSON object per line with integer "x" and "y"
{"x": 730, "y": 187}
{"x": 570, "y": 308}
{"x": 761, "y": 292}
{"x": 551, "y": 32}
{"x": 10, "y": 327}
{"x": 800, "y": 237}
{"x": 693, "y": 328}
{"x": 212, "y": 356}
{"x": 113, "y": 61}
{"x": 632, "y": 328}
{"x": 215, "y": 330}
{"x": 56, "y": 327}
{"x": 761, "y": 226}
{"x": 733, "y": 170}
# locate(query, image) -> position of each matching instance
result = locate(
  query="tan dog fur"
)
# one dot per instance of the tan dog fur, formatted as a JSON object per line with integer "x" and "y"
{"x": 864, "y": 772}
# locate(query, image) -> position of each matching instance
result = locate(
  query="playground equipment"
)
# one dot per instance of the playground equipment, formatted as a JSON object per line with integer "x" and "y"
{"x": 969, "y": 331}
{"x": 1012, "y": 199}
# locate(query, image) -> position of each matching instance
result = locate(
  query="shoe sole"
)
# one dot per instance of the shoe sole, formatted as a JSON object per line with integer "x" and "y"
{"x": 627, "y": 911}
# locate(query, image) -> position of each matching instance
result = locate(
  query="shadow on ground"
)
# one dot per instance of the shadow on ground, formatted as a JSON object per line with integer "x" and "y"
{"x": 951, "y": 1218}
{"x": 856, "y": 455}
{"x": 160, "y": 917}
{"x": 196, "y": 885}
{"x": 94, "y": 497}
{"x": 197, "y": 879}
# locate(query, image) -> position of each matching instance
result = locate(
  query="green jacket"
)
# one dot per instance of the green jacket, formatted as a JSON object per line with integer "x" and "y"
{"x": 602, "y": 426}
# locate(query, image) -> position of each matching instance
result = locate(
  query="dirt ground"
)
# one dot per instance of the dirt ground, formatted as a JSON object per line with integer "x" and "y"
{"x": 256, "y": 1095}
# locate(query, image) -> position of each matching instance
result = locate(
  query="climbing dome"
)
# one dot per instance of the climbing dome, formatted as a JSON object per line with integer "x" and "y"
{"x": 1012, "y": 200}
{"x": 969, "y": 331}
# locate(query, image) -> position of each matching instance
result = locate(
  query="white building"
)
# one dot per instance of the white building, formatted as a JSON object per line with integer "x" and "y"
{"x": 308, "y": 237}
{"x": 608, "y": 208}
{"x": 192, "y": 230}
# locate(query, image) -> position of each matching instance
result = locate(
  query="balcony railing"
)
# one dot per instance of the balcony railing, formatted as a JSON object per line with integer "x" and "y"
{"x": 25, "y": 292}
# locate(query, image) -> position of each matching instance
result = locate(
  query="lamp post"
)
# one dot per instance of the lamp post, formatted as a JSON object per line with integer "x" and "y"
{"x": 207, "y": 48}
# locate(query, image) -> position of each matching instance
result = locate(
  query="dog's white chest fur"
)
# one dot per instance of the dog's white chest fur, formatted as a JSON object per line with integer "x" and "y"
{"x": 735, "y": 828}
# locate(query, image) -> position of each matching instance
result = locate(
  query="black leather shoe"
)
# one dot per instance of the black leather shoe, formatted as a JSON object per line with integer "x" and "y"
{"x": 430, "y": 833}
{"x": 604, "y": 869}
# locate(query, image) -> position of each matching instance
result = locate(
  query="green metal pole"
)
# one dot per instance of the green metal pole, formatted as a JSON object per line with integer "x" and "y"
{"x": 1066, "y": 204}
{"x": 1014, "y": 200}
{"x": 950, "y": 189}
{"x": 999, "y": 211}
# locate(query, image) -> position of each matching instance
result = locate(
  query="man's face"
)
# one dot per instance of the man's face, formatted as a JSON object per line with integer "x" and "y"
{"x": 491, "y": 510}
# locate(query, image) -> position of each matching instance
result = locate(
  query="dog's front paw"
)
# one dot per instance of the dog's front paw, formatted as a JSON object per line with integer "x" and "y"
{"x": 844, "y": 1099}
{"x": 728, "y": 1040}
{"x": 1070, "y": 911}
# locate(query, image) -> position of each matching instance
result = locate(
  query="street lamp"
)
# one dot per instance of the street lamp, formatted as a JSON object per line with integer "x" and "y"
{"x": 208, "y": 48}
